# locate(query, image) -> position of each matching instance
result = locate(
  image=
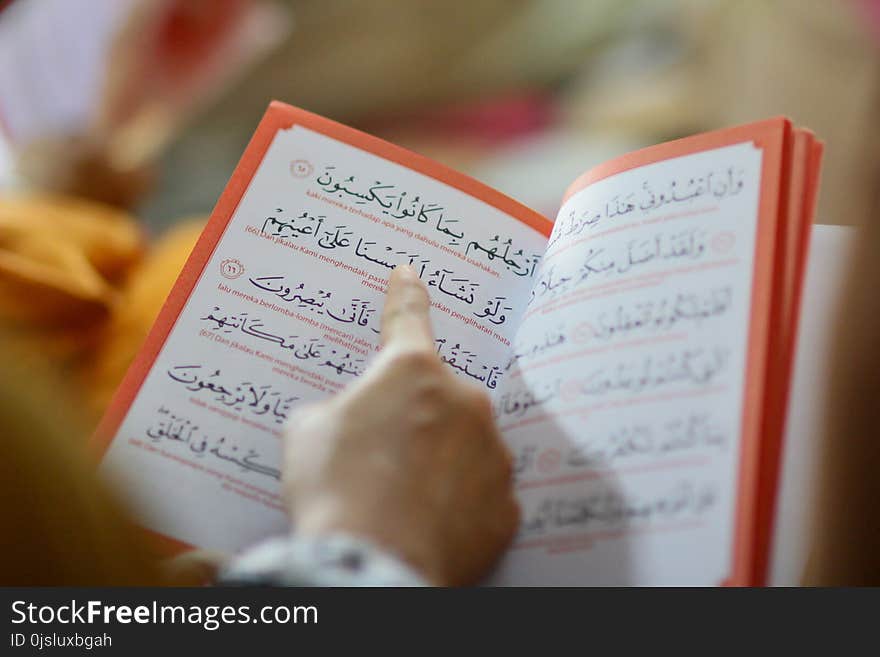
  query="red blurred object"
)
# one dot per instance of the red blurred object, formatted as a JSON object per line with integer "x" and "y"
{"x": 188, "y": 31}
{"x": 488, "y": 120}
{"x": 871, "y": 11}
{"x": 169, "y": 51}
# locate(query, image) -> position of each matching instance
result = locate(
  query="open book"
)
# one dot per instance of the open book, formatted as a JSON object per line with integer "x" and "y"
{"x": 637, "y": 351}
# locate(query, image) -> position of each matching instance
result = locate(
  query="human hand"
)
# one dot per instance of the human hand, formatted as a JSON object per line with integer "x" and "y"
{"x": 192, "y": 568}
{"x": 408, "y": 457}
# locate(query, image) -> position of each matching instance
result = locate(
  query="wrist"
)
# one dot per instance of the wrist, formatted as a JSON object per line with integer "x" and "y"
{"x": 328, "y": 516}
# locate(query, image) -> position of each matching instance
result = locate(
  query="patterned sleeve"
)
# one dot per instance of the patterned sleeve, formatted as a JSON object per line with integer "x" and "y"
{"x": 333, "y": 560}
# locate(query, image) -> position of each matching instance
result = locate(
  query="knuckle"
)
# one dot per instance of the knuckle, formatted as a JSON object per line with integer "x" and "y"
{"x": 426, "y": 415}
{"x": 431, "y": 398}
{"x": 430, "y": 390}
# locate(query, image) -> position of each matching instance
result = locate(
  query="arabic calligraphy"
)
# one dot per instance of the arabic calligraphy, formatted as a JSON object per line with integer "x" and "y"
{"x": 519, "y": 267}
{"x": 520, "y": 401}
{"x": 609, "y": 508}
{"x": 637, "y": 440}
{"x": 551, "y": 340}
{"x": 361, "y": 311}
{"x": 693, "y": 365}
{"x": 308, "y": 225}
{"x": 653, "y": 315}
{"x": 341, "y": 362}
{"x": 453, "y": 354}
{"x": 402, "y": 205}
{"x": 688, "y": 244}
{"x": 167, "y": 426}
{"x": 463, "y": 360}
{"x": 696, "y": 366}
{"x": 715, "y": 185}
{"x": 640, "y": 316}
{"x": 258, "y": 399}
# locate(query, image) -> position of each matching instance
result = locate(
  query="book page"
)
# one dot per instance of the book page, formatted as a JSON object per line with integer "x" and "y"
{"x": 286, "y": 311}
{"x": 831, "y": 251}
{"x": 624, "y": 399}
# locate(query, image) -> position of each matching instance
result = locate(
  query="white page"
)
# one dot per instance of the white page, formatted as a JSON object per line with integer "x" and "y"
{"x": 624, "y": 403}
{"x": 53, "y": 57}
{"x": 827, "y": 266}
{"x": 295, "y": 283}
{"x": 7, "y": 165}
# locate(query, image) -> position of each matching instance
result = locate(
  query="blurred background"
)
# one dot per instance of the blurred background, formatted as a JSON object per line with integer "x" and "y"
{"x": 121, "y": 120}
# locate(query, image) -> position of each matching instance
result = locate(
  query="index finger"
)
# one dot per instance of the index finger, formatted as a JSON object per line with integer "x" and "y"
{"x": 406, "y": 316}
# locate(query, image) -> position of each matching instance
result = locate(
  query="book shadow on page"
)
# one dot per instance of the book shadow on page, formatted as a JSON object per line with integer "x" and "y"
{"x": 587, "y": 530}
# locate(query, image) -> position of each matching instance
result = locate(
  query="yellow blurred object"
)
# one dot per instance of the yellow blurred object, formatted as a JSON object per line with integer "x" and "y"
{"x": 76, "y": 287}
{"x": 59, "y": 260}
{"x": 46, "y": 280}
{"x": 132, "y": 316}
{"x": 109, "y": 238}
